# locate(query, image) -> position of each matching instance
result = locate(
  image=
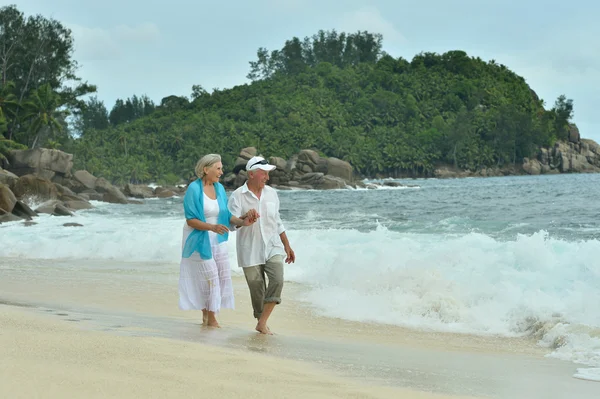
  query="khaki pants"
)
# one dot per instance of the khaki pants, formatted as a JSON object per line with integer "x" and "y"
{"x": 260, "y": 292}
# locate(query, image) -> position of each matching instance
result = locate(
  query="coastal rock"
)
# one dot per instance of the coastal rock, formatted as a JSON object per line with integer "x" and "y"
{"x": 114, "y": 195}
{"x": 103, "y": 186}
{"x": 574, "y": 136}
{"x": 43, "y": 162}
{"x": 446, "y": 172}
{"x": 319, "y": 181}
{"x": 69, "y": 182}
{"x": 307, "y": 170}
{"x": 77, "y": 205}
{"x": 339, "y": 168}
{"x": 532, "y": 167}
{"x": 7, "y": 177}
{"x": 86, "y": 179}
{"x": 23, "y": 211}
{"x": 163, "y": 192}
{"x": 55, "y": 208}
{"x": 6, "y": 217}
{"x": 138, "y": 191}
{"x": 72, "y": 225}
{"x": 33, "y": 186}
{"x": 7, "y": 198}
{"x": 47, "y": 207}
{"x": 92, "y": 195}
{"x": 135, "y": 202}
{"x": 243, "y": 158}
{"x": 582, "y": 156}
{"x": 61, "y": 210}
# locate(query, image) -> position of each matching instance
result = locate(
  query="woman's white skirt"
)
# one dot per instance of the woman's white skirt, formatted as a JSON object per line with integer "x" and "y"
{"x": 206, "y": 284}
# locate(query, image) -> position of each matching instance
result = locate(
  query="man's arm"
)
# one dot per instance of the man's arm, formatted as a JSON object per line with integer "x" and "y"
{"x": 291, "y": 256}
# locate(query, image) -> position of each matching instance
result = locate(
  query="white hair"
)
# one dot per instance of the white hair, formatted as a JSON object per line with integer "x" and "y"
{"x": 206, "y": 162}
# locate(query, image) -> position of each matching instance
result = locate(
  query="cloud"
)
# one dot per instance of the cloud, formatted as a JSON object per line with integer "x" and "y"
{"x": 97, "y": 44}
{"x": 143, "y": 33}
{"x": 286, "y": 5}
{"x": 370, "y": 19}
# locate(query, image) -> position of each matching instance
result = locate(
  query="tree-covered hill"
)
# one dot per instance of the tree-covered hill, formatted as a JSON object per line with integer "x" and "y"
{"x": 336, "y": 93}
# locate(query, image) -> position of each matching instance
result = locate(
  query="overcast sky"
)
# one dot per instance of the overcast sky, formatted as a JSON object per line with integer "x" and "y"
{"x": 161, "y": 48}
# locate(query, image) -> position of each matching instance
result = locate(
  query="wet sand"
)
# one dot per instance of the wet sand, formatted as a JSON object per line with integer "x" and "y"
{"x": 97, "y": 326}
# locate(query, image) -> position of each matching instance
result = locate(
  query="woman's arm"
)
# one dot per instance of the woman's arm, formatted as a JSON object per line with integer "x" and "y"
{"x": 246, "y": 220}
{"x": 200, "y": 225}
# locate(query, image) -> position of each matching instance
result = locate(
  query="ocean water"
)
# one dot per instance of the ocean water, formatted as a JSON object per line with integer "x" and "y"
{"x": 510, "y": 256}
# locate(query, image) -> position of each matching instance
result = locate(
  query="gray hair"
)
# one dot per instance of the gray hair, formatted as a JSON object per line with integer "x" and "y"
{"x": 206, "y": 162}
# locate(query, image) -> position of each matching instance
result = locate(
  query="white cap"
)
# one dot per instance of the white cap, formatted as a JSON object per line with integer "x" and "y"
{"x": 259, "y": 163}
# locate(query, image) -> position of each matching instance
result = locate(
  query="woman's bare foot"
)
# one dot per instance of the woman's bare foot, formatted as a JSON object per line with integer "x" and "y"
{"x": 212, "y": 320}
{"x": 204, "y": 317}
{"x": 213, "y": 323}
{"x": 263, "y": 329}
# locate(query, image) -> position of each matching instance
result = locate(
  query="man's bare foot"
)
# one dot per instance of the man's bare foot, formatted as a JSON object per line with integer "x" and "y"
{"x": 263, "y": 329}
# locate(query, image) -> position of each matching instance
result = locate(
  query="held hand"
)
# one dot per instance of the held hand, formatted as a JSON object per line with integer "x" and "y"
{"x": 219, "y": 229}
{"x": 251, "y": 216}
{"x": 291, "y": 256}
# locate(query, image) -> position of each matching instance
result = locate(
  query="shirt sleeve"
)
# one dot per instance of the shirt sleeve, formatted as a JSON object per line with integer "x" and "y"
{"x": 234, "y": 205}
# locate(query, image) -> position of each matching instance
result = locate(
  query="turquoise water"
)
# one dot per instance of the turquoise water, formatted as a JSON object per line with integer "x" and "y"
{"x": 513, "y": 256}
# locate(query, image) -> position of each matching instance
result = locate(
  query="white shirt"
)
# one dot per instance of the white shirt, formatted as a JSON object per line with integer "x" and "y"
{"x": 259, "y": 242}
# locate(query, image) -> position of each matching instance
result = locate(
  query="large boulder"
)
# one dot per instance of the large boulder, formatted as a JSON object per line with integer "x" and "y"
{"x": 86, "y": 179}
{"x": 114, "y": 195}
{"x": 7, "y": 177}
{"x": 35, "y": 187}
{"x": 7, "y": 198}
{"x": 77, "y": 205}
{"x": 8, "y": 217}
{"x": 574, "y": 136}
{"x": 248, "y": 152}
{"x": 69, "y": 182}
{"x": 243, "y": 158}
{"x": 339, "y": 168}
{"x": 138, "y": 191}
{"x": 532, "y": 167}
{"x": 308, "y": 157}
{"x": 23, "y": 211}
{"x": 43, "y": 162}
{"x": 66, "y": 194}
{"x": 320, "y": 181}
{"x": 165, "y": 192}
{"x": 102, "y": 185}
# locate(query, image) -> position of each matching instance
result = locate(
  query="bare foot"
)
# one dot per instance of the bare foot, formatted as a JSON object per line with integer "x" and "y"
{"x": 213, "y": 323}
{"x": 204, "y": 317}
{"x": 263, "y": 329}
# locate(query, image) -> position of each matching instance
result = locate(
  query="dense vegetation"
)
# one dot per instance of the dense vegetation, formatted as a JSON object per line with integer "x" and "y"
{"x": 336, "y": 93}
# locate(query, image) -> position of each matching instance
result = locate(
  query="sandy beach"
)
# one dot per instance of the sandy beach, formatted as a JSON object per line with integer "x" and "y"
{"x": 68, "y": 334}
{"x": 45, "y": 358}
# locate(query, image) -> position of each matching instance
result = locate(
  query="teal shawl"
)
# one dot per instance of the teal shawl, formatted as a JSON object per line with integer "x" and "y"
{"x": 193, "y": 207}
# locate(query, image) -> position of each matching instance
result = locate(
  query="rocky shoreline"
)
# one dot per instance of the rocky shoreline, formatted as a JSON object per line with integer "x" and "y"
{"x": 45, "y": 176}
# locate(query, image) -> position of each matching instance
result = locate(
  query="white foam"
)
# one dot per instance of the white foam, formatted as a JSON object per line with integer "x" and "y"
{"x": 472, "y": 283}
{"x": 591, "y": 374}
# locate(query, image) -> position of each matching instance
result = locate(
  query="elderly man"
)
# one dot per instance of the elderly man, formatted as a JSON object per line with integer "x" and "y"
{"x": 262, "y": 246}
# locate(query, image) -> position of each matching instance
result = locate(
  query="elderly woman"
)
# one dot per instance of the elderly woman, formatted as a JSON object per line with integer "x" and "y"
{"x": 205, "y": 274}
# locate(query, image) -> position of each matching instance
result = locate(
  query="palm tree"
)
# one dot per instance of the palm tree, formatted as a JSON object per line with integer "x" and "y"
{"x": 42, "y": 109}
{"x": 8, "y": 103}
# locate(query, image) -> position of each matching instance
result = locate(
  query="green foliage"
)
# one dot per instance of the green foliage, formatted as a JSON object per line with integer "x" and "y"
{"x": 8, "y": 145}
{"x": 338, "y": 94}
{"x": 37, "y": 65}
